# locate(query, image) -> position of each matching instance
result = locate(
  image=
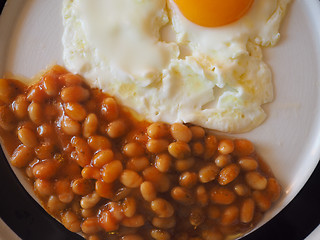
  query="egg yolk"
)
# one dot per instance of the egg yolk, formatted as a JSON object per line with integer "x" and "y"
{"x": 213, "y": 13}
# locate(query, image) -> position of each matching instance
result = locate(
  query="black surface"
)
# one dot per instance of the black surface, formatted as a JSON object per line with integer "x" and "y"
{"x": 31, "y": 222}
{"x": 2, "y": 2}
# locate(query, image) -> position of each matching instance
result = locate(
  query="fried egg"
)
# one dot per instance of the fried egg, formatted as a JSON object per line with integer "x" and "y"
{"x": 209, "y": 71}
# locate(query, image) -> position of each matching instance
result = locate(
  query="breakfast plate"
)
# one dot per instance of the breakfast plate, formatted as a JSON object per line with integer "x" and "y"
{"x": 289, "y": 139}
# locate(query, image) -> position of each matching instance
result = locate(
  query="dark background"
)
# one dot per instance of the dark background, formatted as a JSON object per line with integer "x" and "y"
{"x": 31, "y": 222}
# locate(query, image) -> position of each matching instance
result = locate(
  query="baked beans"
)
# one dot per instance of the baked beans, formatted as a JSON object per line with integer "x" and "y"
{"x": 148, "y": 191}
{"x": 107, "y": 175}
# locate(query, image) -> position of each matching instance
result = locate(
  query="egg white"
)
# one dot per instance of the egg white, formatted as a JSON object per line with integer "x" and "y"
{"x": 221, "y": 84}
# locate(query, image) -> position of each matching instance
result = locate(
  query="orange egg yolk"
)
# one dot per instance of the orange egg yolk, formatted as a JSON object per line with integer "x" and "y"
{"x": 213, "y": 13}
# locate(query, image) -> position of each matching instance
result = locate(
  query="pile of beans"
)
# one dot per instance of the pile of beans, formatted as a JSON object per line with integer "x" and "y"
{"x": 106, "y": 175}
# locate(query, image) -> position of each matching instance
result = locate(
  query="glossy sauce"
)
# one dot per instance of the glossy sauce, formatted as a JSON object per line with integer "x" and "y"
{"x": 103, "y": 173}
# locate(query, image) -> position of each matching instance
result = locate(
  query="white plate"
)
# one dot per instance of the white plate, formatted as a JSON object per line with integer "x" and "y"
{"x": 289, "y": 140}
{"x": 6, "y": 233}
{"x": 315, "y": 235}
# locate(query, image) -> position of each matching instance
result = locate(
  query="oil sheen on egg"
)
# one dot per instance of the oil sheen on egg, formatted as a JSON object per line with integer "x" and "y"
{"x": 221, "y": 83}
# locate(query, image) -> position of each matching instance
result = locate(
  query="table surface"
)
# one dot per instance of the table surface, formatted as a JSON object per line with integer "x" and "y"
{"x": 295, "y": 222}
